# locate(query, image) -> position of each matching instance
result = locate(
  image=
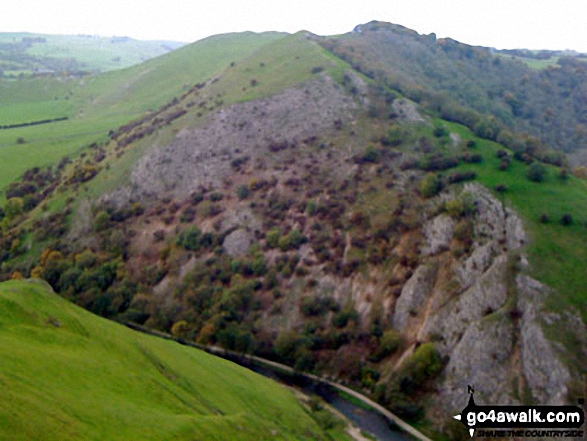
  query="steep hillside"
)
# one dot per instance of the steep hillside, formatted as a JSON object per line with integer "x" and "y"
{"x": 26, "y": 54}
{"x": 294, "y": 207}
{"x": 67, "y": 374}
{"x": 95, "y": 105}
{"x": 443, "y": 74}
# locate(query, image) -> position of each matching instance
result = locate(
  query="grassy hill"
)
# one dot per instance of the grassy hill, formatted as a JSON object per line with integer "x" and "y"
{"x": 67, "y": 374}
{"x": 97, "y": 104}
{"x": 24, "y": 54}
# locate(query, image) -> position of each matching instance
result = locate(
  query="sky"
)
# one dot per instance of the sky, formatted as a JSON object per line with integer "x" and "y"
{"x": 535, "y": 24}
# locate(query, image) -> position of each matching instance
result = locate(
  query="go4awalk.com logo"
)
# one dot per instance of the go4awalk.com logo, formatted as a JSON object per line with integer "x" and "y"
{"x": 522, "y": 421}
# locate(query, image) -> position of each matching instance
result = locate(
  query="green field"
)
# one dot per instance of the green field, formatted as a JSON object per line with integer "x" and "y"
{"x": 556, "y": 252}
{"x": 67, "y": 374}
{"x": 84, "y": 52}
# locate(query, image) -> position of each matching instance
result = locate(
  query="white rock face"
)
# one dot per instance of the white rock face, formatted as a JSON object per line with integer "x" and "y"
{"x": 238, "y": 243}
{"x": 546, "y": 375}
{"x": 491, "y": 327}
{"x": 438, "y": 234}
{"x": 414, "y": 295}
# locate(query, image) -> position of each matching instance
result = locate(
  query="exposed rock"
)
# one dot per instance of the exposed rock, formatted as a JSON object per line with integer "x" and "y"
{"x": 238, "y": 243}
{"x": 407, "y": 110}
{"x": 438, "y": 234}
{"x": 202, "y": 156}
{"x": 414, "y": 295}
{"x": 487, "y": 294}
{"x": 482, "y": 358}
{"x": 547, "y": 377}
{"x": 241, "y": 217}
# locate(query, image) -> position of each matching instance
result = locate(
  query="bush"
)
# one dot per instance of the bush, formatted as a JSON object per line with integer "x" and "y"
{"x": 501, "y": 188}
{"x": 567, "y": 219}
{"x": 461, "y": 177}
{"x": 389, "y": 343}
{"x": 393, "y": 137}
{"x": 440, "y": 130}
{"x": 243, "y": 192}
{"x": 537, "y": 172}
{"x": 544, "y": 218}
{"x": 371, "y": 154}
{"x": 455, "y": 208}
{"x": 474, "y": 158}
{"x": 423, "y": 364}
{"x": 14, "y": 207}
{"x": 430, "y": 185}
{"x": 190, "y": 239}
{"x": 101, "y": 221}
{"x": 272, "y": 237}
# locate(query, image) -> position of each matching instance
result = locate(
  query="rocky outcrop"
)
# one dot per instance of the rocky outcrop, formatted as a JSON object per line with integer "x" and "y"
{"x": 488, "y": 325}
{"x": 238, "y": 243}
{"x": 203, "y": 156}
{"x": 547, "y": 377}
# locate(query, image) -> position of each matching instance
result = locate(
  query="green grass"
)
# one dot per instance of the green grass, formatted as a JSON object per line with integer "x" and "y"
{"x": 557, "y": 253}
{"x": 100, "y": 103}
{"x": 92, "y": 379}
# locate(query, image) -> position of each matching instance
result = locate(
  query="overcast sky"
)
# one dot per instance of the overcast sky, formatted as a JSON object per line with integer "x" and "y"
{"x": 504, "y": 24}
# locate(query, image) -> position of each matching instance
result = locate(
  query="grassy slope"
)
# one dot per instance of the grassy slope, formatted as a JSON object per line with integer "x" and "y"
{"x": 277, "y": 66}
{"x": 90, "y": 378}
{"x": 91, "y": 53}
{"x": 556, "y": 252}
{"x": 98, "y": 104}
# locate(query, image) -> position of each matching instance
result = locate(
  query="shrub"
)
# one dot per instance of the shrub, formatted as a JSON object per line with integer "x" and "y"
{"x": 455, "y": 208}
{"x": 389, "y": 342}
{"x": 284, "y": 243}
{"x": 392, "y": 137}
{"x": 501, "y": 188}
{"x": 430, "y": 185}
{"x": 371, "y": 154}
{"x": 537, "y": 172}
{"x": 461, "y": 177}
{"x": 474, "y": 158}
{"x": 190, "y": 239}
{"x": 216, "y": 196}
{"x": 101, "y": 221}
{"x": 567, "y": 219}
{"x": 437, "y": 162}
{"x": 423, "y": 364}
{"x": 440, "y": 130}
{"x": 272, "y": 237}
{"x": 544, "y": 218}
{"x": 243, "y": 192}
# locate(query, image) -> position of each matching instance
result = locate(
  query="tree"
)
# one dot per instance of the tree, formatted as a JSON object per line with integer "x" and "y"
{"x": 537, "y": 172}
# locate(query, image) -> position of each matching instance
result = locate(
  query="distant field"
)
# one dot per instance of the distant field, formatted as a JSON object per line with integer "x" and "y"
{"x": 533, "y": 63}
{"x": 24, "y": 52}
{"x": 556, "y": 253}
{"x": 67, "y": 374}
